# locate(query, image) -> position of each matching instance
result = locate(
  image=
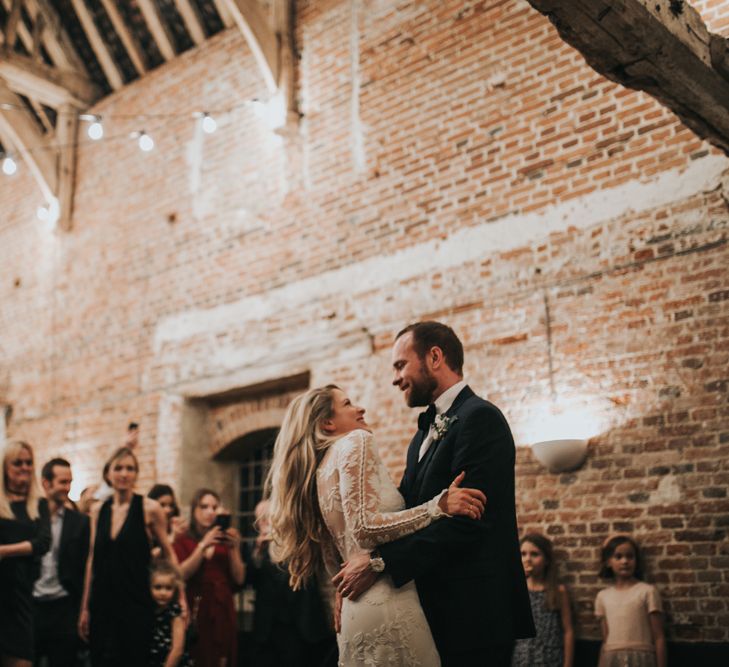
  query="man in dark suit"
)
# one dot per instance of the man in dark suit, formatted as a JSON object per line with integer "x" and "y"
{"x": 290, "y": 628}
{"x": 468, "y": 573}
{"x": 57, "y": 593}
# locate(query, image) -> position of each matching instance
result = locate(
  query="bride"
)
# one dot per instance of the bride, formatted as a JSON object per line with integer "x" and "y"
{"x": 331, "y": 498}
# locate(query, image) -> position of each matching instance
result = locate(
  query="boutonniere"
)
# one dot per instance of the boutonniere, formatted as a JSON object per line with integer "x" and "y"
{"x": 441, "y": 424}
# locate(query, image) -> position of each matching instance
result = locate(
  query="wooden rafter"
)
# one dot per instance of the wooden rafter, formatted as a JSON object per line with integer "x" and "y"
{"x": 49, "y": 85}
{"x": 659, "y": 46}
{"x": 108, "y": 64}
{"x": 66, "y": 135}
{"x": 17, "y": 129}
{"x": 128, "y": 40}
{"x": 11, "y": 25}
{"x": 56, "y": 41}
{"x": 225, "y": 16}
{"x": 191, "y": 17}
{"x": 261, "y": 37}
{"x": 157, "y": 28}
{"x": 23, "y": 33}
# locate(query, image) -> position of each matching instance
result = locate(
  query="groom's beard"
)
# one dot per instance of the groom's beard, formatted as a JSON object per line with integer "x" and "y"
{"x": 422, "y": 389}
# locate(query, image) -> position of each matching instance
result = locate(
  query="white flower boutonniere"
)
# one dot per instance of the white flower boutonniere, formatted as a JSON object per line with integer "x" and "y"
{"x": 441, "y": 424}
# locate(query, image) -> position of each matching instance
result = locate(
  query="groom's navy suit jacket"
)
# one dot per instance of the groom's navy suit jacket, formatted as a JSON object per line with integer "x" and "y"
{"x": 468, "y": 573}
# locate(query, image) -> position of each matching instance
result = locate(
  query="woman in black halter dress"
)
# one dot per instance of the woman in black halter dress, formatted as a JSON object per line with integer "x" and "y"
{"x": 117, "y": 610}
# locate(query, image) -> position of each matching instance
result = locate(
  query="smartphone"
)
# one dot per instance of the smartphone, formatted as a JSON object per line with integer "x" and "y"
{"x": 223, "y": 521}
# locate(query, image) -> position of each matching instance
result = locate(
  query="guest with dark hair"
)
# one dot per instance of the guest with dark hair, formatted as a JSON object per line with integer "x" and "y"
{"x": 554, "y": 644}
{"x": 117, "y": 610}
{"x": 290, "y": 628}
{"x": 24, "y": 537}
{"x": 211, "y": 563}
{"x": 57, "y": 593}
{"x": 630, "y": 610}
{"x": 165, "y": 496}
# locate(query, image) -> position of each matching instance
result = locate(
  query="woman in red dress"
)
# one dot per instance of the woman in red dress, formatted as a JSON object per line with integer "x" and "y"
{"x": 211, "y": 563}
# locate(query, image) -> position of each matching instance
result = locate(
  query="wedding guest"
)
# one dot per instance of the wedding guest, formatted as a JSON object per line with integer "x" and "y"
{"x": 168, "y": 636}
{"x": 554, "y": 644}
{"x": 57, "y": 593}
{"x": 290, "y": 628}
{"x": 212, "y": 566}
{"x": 117, "y": 610}
{"x": 165, "y": 496}
{"x": 630, "y": 610}
{"x": 24, "y": 537}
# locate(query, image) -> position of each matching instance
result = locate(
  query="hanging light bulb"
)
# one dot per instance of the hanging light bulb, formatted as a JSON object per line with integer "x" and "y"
{"x": 146, "y": 143}
{"x": 42, "y": 213}
{"x": 96, "y": 129}
{"x": 9, "y": 166}
{"x": 208, "y": 123}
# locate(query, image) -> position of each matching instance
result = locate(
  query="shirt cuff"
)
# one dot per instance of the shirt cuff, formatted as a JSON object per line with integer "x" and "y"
{"x": 434, "y": 510}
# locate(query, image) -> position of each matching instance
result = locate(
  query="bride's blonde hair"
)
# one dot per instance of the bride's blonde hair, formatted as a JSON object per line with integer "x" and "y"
{"x": 297, "y": 526}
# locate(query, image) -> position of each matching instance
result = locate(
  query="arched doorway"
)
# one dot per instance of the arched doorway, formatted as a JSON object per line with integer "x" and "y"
{"x": 251, "y": 454}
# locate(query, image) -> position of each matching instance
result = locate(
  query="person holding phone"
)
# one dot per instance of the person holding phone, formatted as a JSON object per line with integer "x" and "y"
{"x": 211, "y": 563}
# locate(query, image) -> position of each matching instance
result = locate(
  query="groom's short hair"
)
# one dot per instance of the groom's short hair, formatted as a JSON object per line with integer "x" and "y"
{"x": 429, "y": 334}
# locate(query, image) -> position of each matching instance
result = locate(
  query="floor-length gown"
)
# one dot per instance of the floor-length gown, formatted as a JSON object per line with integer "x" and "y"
{"x": 121, "y": 605}
{"x": 386, "y": 626}
{"x": 210, "y": 598}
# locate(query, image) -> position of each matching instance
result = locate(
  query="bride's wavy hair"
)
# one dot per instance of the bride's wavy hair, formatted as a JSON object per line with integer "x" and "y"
{"x": 297, "y": 525}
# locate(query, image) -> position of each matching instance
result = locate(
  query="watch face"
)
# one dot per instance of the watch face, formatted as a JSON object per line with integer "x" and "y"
{"x": 377, "y": 564}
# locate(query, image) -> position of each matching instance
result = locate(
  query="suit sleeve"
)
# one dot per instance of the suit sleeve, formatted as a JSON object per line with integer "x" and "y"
{"x": 41, "y": 542}
{"x": 485, "y": 450}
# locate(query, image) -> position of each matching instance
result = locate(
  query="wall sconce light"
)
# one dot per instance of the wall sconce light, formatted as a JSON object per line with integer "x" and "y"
{"x": 561, "y": 455}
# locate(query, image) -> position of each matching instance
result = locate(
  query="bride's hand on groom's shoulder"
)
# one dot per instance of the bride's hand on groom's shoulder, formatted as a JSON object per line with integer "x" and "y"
{"x": 462, "y": 502}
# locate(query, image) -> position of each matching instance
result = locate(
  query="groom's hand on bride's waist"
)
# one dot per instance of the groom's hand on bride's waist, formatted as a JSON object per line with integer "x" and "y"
{"x": 355, "y": 577}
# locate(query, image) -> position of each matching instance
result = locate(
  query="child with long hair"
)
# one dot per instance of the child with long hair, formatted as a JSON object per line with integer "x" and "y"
{"x": 630, "y": 610}
{"x": 168, "y": 637}
{"x": 554, "y": 645}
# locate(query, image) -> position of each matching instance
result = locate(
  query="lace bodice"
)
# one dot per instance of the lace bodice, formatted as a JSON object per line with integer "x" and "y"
{"x": 359, "y": 502}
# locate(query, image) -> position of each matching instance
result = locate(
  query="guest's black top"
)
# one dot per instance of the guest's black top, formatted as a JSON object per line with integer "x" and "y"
{"x": 17, "y": 575}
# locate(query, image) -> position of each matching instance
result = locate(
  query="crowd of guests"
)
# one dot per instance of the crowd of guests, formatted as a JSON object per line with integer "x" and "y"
{"x": 120, "y": 580}
{"x": 141, "y": 586}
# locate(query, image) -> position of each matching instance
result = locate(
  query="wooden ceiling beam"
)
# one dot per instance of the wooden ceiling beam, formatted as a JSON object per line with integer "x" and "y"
{"x": 55, "y": 38}
{"x": 225, "y": 16}
{"x": 128, "y": 40}
{"x": 108, "y": 64}
{"x": 19, "y": 130}
{"x": 157, "y": 28}
{"x": 659, "y": 46}
{"x": 192, "y": 20}
{"x": 11, "y": 25}
{"x": 261, "y": 38}
{"x": 51, "y": 86}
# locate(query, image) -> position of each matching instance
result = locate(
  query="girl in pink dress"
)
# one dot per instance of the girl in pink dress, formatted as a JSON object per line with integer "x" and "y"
{"x": 629, "y": 610}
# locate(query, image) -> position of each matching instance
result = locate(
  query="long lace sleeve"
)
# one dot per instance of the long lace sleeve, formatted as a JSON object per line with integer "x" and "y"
{"x": 360, "y": 483}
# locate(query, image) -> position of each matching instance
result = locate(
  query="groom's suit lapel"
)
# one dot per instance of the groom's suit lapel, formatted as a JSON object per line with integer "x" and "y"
{"x": 422, "y": 466}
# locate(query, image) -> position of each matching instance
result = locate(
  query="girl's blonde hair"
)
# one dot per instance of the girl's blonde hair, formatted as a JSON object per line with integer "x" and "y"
{"x": 297, "y": 525}
{"x": 551, "y": 581}
{"x": 13, "y": 448}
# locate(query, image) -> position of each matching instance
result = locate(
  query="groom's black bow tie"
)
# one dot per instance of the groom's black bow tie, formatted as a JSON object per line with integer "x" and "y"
{"x": 425, "y": 419}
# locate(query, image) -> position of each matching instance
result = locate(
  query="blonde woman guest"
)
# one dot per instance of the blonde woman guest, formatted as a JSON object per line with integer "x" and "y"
{"x": 117, "y": 611}
{"x": 332, "y": 497}
{"x": 24, "y": 537}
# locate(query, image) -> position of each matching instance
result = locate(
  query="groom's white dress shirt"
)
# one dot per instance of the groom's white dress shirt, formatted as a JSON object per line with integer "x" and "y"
{"x": 442, "y": 404}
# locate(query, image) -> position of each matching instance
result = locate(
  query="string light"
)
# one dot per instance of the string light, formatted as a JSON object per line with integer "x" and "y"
{"x": 146, "y": 143}
{"x": 208, "y": 123}
{"x": 95, "y": 129}
{"x": 9, "y": 166}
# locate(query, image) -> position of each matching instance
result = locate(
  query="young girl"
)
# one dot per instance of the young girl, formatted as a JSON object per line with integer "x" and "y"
{"x": 168, "y": 639}
{"x": 555, "y": 641}
{"x": 630, "y": 610}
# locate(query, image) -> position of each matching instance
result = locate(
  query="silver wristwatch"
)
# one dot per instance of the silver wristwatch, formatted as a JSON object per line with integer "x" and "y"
{"x": 376, "y": 563}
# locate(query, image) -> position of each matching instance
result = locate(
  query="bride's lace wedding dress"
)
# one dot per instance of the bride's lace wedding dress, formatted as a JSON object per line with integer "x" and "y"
{"x": 384, "y": 627}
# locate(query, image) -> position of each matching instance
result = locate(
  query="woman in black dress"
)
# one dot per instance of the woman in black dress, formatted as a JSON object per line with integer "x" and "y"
{"x": 117, "y": 610}
{"x": 24, "y": 537}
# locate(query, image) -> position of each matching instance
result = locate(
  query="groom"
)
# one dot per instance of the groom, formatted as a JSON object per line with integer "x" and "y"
{"x": 468, "y": 573}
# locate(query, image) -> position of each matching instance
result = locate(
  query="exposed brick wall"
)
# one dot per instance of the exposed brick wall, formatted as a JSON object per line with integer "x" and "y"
{"x": 483, "y": 175}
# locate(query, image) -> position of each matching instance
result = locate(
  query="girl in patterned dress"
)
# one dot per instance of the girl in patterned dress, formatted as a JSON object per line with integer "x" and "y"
{"x": 168, "y": 638}
{"x": 630, "y": 611}
{"x": 554, "y": 644}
